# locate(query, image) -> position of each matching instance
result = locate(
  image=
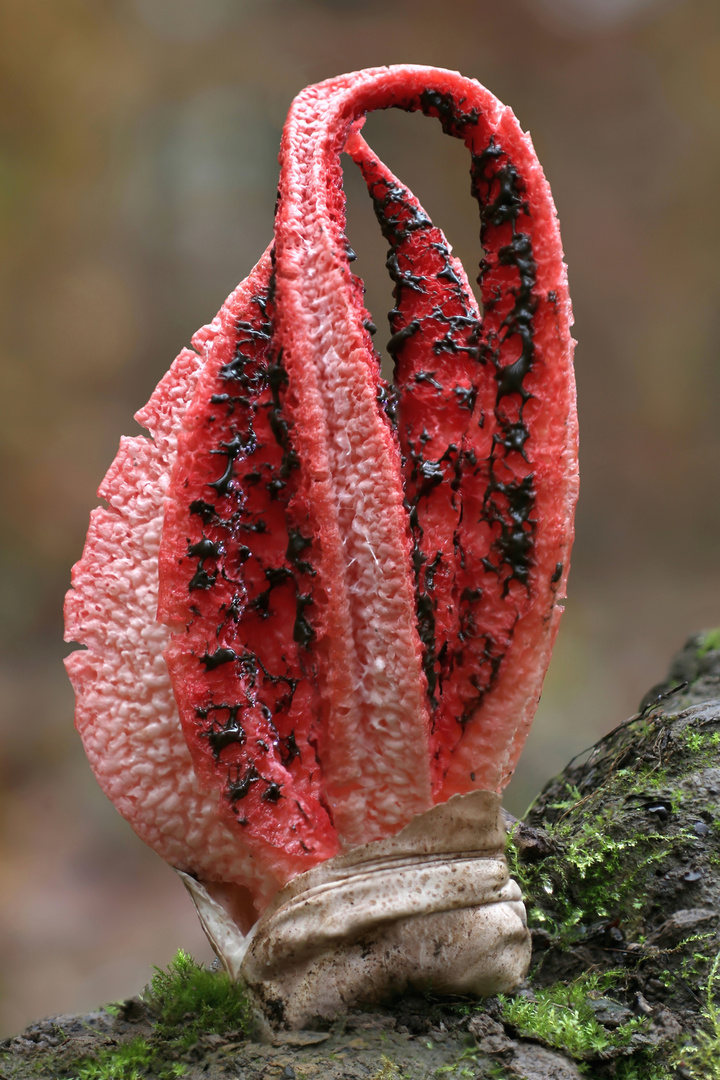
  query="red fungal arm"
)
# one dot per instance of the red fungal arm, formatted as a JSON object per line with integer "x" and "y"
{"x": 441, "y": 388}
{"x": 375, "y": 754}
{"x": 467, "y": 431}
{"x": 233, "y": 576}
{"x": 517, "y": 466}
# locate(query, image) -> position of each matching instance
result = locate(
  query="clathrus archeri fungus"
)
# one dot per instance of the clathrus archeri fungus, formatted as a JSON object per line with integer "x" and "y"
{"x": 318, "y": 607}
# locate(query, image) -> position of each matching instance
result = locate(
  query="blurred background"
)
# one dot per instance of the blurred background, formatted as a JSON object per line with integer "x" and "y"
{"x": 138, "y": 169}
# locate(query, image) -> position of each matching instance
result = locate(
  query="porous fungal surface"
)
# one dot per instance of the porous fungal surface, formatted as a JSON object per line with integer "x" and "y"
{"x": 318, "y": 603}
{"x": 620, "y": 862}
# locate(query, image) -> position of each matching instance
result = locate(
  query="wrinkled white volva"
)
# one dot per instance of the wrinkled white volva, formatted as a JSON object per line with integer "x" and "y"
{"x": 432, "y": 907}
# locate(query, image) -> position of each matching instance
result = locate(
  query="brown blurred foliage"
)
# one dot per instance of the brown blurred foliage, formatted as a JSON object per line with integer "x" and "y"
{"x": 138, "y": 164}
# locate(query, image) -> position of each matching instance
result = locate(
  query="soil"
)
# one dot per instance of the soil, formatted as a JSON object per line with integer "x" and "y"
{"x": 416, "y": 1040}
{"x": 619, "y": 860}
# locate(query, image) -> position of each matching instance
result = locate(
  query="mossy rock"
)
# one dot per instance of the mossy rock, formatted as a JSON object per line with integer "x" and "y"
{"x": 619, "y": 859}
{"x": 620, "y": 855}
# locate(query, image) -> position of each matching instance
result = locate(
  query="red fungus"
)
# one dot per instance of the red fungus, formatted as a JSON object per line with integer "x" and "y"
{"x": 360, "y": 580}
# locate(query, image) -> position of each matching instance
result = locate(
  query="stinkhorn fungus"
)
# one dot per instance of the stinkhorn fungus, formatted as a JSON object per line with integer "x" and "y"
{"x": 318, "y": 608}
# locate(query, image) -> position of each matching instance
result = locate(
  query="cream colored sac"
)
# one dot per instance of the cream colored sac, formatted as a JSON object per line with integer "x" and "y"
{"x": 432, "y": 907}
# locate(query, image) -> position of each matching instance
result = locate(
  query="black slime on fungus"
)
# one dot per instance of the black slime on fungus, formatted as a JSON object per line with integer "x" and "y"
{"x": 204, "y": 510}
{"x": 498, "y": 187}
{"x": 231, "y": 733}
{"x": 213, "y": 660}
{"x": 240, "y": 788}
{"x": 255, "y": 379}
{"x": 201, "y": 579}
{"x": 398, "y": 218}
{"x": 303, "y": 632}
{"x": 508, "y": 504}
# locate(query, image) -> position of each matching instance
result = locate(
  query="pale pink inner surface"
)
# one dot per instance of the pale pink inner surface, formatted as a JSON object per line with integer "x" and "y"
{"x": 376, "y": 755}
{"x": 126, "y": 712}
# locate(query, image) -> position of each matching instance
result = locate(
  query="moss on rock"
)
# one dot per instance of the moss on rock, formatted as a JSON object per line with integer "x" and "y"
{"x": 619, "y": 859}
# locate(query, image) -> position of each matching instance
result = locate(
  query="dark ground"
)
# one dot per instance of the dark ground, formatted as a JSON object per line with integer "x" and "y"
{"x": 619, "y": 859}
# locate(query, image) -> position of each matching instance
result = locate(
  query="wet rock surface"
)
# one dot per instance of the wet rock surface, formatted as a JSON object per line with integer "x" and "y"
{"x": 417, "y": 1044}
{"x": 417, "y": 1040}
{"x": 619, "y": 860}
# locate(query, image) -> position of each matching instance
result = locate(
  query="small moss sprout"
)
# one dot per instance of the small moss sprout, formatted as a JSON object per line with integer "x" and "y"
{"x": 186, "y": 1001}
{"x": 709, "y": 642}
{"x": 129, "y": 1061}
{"x": 700, "y": 1060}
{"x": 562, "y": 1016}
{"x": 388, "y": 1070}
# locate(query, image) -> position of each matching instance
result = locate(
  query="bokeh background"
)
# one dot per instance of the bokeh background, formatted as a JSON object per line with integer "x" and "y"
{"x": 138, "y": 169}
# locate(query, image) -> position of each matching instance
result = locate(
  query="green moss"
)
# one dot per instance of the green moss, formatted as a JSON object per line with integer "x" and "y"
{"x": 695, "y": 964}
{"x": 498, "y": 1072}
{"x": 456, "y": 1072}
{"x": 700, "y": 1060}
{"x": 131, "y": 1061}
{"x": 702, "y": 743}
{"x": 465, "y": 1068}
{"x": 614, "y": 835}
{"x": 562, "y": 1016}
{"x": 709, "y": 642}
{"x": 388, "y": 1070}
{"x": 645, "y": 1066}
{"x": 596, "y": 874}
{"x": 605, "y": 849}
{"x": 186, "y": 1001}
